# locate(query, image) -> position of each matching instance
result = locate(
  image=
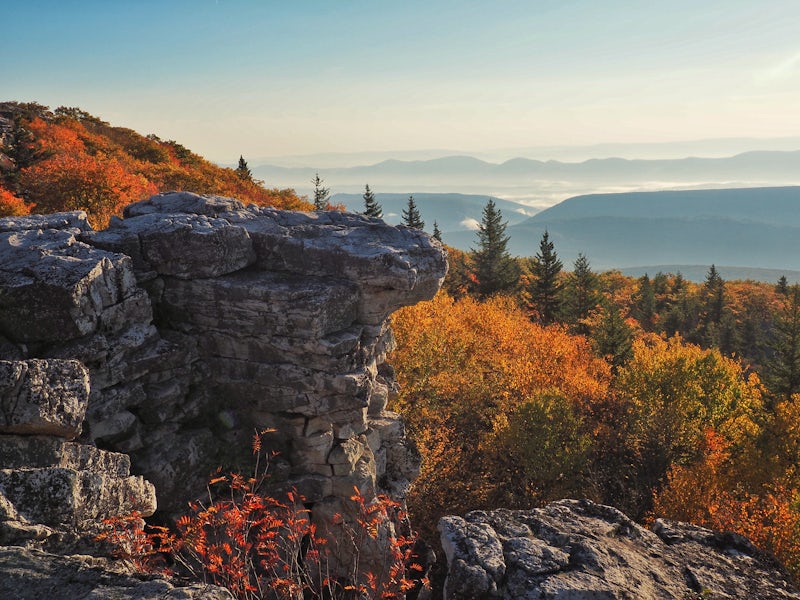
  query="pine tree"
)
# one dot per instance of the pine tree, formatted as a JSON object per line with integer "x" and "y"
{"x": 496, "y": 272}
{"x": 437, "y": 235}
{"x": 371, "y": 206}
{"x": 544, "y": 289}
{"x": 580, "y": 295}
{"x": 321, "y": 194}
{"x": 411, "y": 216}
{"x": 782, "y": 287}
{"x": 243, "y": 171}
{"x": 613, "y": 338}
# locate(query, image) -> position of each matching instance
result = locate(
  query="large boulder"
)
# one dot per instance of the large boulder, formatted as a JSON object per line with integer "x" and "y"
{"x": 577, "y": 550}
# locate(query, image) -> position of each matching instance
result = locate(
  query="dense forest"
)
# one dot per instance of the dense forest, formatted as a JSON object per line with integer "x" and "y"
{"x": 523, "y": 381}
{"x": 67, "y": 159}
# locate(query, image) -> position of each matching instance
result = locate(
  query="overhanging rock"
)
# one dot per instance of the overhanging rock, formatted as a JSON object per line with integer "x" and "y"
{"x": 201, "y": 320}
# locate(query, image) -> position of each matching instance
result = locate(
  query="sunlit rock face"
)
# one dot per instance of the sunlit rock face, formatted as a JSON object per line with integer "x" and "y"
{"x": 201, "y": 320}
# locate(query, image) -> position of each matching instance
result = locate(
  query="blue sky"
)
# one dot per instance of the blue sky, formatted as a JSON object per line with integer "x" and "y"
{"x": 230, "y": 77}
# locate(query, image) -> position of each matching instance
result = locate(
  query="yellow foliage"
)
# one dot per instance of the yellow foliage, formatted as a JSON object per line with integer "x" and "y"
{"x": 471, "y": 374}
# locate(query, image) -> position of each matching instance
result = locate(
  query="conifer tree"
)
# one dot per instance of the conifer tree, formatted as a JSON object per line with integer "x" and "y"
{"x": 784, "y": 369}
{"x": 544, "y": 288}
{"x": 437, "y": 235}
{"x": 411, "y": 216}
{"x": 712, "y": 308}
{"x": 321, "y": 194}
{"x": 371, "y": 206}
{"x": 496, "y": 272}
{"x": 782, "y": 287}
{"x": 613, "y": 338}
{"x": 645, "y": 303}
{"x": 243, "y": 171}
{"x": 580, "y": 295}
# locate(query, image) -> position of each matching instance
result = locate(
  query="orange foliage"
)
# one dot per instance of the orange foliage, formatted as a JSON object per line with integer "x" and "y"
{"x": 466, "y": 370}
{"x": 97, "y": 184}
{"x": 709, "y": 493}
{"x": 82, "y": 163}
{"x": 11, "y": 206}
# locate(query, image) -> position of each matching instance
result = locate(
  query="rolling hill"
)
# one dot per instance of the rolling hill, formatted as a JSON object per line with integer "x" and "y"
{"x": 757, "y": 228}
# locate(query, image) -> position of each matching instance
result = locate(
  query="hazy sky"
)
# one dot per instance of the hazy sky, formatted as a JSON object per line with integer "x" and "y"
{"x": 261, "y": 78}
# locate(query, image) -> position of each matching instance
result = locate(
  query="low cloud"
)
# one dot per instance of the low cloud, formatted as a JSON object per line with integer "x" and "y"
{"x": 470, "y": 223}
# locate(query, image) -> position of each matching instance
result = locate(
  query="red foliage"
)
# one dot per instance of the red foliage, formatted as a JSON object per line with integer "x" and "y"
{"x": 259, "y": 547}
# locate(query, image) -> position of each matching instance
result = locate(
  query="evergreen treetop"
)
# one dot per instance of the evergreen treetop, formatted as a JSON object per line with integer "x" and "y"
{"x": 243, "y": 171}
{"x": 437, "y": 234}
{"x": 371, "y": 206}
{"x": 494, "y": 269}
{"x": 411, "y": 216}
{"x": 321, "y": 194}
{"x": 544, "y": 289}
{"x": 581, "y": 295}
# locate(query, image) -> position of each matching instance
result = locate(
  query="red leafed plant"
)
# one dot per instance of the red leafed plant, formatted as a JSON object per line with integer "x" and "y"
{"x": 260, "y": 547}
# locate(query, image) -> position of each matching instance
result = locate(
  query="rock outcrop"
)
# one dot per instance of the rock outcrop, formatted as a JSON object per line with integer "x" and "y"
{"x": 182, "y": 329}
{"x": 577, "y": 550}
{"x": 54, "y": 492}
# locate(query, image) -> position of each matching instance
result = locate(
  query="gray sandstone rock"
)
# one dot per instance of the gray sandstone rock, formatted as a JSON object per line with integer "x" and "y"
{"x": 580, "y": 550}
{"x": 201, "y": 320}
{"x": 45, "y": 397}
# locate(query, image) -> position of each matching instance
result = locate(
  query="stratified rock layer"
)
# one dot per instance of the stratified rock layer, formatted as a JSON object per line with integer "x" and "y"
{"x": 54, "y": 492}
{"x": 201, "y": 321}
{"x": 577, "y": 550}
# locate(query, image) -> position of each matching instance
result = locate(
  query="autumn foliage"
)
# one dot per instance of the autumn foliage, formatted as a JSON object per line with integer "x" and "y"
{"x": 507, "y": 412}
{"x": 69, "y": 160}
{"x": 259, "y": 547}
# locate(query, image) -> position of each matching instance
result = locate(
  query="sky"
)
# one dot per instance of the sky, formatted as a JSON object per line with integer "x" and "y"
{"x": 295, "y": 77}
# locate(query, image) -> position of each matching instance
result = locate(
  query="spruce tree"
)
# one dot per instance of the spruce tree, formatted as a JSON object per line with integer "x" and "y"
{"x": 645, "y": 303}
{"x": 581, "y": 295}
{"x": 544, "y": 289}
{"x": 613, "y": 338}
{"x": 411, "y": 216}
{"x": 712, "y": 308}
{"x": 496, "y": 272}
{"x": 321, "y": 194}
{"x": 437, "y": 235}
{"x": 371, "y": 206}
{"x": 243, "y": 171}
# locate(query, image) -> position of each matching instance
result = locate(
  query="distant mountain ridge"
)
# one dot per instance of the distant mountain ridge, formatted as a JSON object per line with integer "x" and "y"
{"x": 758, "y": 164}
{"x": 757, "y": 228}
{"x": 543, "y": 184}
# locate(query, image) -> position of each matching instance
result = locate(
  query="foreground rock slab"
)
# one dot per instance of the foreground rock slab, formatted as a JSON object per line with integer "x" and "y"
{"x": 32, "y": 575}
{"x": 579, "y": 550}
